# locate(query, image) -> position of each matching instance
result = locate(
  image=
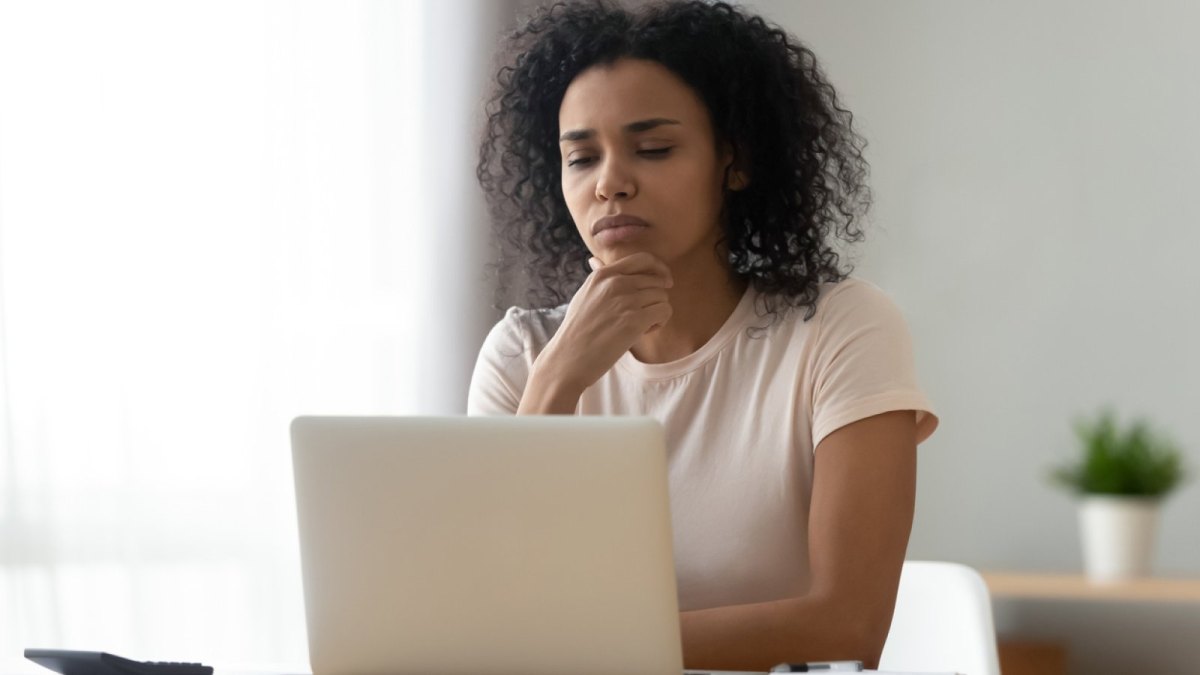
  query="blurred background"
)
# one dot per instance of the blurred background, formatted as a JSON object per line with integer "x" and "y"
{"x": 217, "y": 216}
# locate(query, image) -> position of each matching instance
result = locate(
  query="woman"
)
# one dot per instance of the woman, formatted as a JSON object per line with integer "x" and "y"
{"x": 681, "y": 174}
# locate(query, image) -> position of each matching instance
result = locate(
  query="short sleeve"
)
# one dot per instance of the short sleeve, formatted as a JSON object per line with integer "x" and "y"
{"x": 501, "y": 369}
{"x": 863, "y": 362}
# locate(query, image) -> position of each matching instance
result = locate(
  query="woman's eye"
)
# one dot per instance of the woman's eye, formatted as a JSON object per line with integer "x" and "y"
{"x": 652, "y": 152}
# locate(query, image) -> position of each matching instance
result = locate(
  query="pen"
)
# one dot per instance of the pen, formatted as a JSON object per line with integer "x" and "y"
{"x": 818, "y": 666}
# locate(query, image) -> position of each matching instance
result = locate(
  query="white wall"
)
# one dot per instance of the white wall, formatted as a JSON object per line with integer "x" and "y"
{"x": 1035, "y": 166}
{"x": 458, "y": 71}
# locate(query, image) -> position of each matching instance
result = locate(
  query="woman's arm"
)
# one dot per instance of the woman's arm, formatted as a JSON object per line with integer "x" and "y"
{"x": 864, "y": 487}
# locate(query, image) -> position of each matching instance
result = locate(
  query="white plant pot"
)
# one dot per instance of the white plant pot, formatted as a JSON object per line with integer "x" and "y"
{"x": 1118, "y": 536}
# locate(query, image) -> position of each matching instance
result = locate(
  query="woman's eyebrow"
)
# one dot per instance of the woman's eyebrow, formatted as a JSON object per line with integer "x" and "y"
{"x": 631, "y": 128}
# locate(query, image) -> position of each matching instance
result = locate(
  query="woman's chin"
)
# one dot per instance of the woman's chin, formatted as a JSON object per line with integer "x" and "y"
{"x": 611, "y": 253}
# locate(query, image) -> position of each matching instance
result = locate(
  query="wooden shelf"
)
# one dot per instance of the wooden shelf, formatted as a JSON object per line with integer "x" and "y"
{"x": 1077, "y": 587}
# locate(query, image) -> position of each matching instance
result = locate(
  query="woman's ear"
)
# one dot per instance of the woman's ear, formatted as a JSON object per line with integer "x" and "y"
{"x": 737, "y": 177}
{"x": 738, "y": 180}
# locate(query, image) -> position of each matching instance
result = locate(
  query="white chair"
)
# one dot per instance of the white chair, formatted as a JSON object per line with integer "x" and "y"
{"x": 943, "y": 622}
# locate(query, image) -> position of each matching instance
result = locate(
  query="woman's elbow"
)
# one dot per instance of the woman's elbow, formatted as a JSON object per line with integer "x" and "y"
{"x": 856, "y": 633}
{"x": 870, "y": 636}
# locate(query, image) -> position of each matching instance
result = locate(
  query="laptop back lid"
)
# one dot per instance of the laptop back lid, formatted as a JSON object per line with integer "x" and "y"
{"x": 472, "y": 545}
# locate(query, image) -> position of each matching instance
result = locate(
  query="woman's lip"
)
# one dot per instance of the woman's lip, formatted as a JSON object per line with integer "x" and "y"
{"x": 617, "y": 220}
{"x": 619, "y": 234}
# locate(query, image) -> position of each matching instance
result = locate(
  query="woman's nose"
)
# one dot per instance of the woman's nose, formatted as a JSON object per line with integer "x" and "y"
{"x": 614, "y": 182}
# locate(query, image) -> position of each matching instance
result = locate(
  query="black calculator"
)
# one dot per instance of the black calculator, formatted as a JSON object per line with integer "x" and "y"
{"x": 70, "y": 662}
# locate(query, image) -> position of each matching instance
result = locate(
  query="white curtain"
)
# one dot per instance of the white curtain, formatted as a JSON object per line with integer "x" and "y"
{"x": 214, "y": 216}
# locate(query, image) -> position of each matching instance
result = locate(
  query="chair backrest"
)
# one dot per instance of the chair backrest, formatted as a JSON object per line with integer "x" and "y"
{"x": 943, "y": 622}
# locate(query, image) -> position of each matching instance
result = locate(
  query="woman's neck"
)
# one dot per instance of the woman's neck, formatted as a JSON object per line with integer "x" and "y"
{"x": 701, "y": 301}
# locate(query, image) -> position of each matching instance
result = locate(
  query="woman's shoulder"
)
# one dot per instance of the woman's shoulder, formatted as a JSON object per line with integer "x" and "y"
{"x": 846, "y": 306}
{"x": 853, "y": 296}
{"x": 849, "y": 306}
{"x": 532, "y": 327}
{"x": 850, "y": 295}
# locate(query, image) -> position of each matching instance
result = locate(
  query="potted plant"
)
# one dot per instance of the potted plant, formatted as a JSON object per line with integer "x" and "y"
{"x": 1121, "y": 480}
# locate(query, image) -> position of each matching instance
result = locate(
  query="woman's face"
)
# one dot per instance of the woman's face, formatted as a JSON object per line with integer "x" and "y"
{"x": 637, "y": 141}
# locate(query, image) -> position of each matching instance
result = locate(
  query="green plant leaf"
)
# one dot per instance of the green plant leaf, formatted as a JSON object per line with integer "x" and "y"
{"x": 1134, "y": 462}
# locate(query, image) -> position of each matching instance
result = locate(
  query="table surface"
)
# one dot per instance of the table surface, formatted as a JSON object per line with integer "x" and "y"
{"x": 1076, "y": 586}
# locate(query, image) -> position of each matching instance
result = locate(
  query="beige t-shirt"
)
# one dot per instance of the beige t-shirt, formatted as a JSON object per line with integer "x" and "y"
{"x": 742, "y": 416}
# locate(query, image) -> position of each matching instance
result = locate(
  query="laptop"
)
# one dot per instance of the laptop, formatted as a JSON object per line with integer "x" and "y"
{"x": 486, "y": 546}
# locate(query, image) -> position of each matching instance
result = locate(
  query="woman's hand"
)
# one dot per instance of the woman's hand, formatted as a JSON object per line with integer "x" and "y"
{"x": 617, "y": 304}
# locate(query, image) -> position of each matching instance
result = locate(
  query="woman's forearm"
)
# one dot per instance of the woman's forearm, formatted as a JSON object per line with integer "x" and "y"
{"x": 760, "y": 635}
{"x": 549, "y": 393}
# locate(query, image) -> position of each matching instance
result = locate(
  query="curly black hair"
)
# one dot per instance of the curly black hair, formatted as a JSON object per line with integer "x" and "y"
{"x": 767, "y": 97}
